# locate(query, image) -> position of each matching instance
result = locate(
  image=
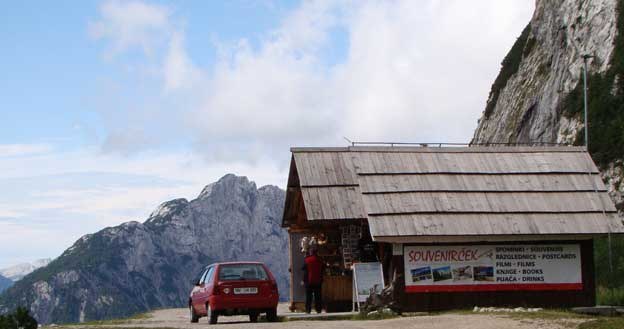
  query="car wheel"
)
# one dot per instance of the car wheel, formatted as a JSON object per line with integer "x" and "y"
{"x": 272, "y": 315}
{"x": 193, "y": 316}
{"x": 212, "y": 315}
{"x": 253, "y": 317}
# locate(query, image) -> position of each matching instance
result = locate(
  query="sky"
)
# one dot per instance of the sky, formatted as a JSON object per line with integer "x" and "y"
{"x": 109, "y": 108}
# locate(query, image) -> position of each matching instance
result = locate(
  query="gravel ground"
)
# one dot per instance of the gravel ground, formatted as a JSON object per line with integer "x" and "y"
{"x": 178, "y": 318}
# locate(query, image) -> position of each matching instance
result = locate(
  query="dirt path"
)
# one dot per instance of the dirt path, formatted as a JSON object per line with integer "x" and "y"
{"x": 178, "y": 318}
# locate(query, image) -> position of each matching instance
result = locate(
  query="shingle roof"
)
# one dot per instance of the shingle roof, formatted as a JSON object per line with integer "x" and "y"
{"x": 450, "y": 191}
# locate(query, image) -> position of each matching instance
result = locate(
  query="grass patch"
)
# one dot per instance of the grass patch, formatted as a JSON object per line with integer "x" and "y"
{"x": 115, "y": 327}
{"x": 375, "y": 316}
{"x": 140, "y": 316}
{"x": 603, "y": 323}
{"x": 463, "y": 311}
{"x": 348, "y": 317}
{"x": 263, "y": 318}
{"x": 610, "y": 296}
{"x": 322, "y": 318}
{"x": 546, "y": 314}
{"x": 549, "y": 314}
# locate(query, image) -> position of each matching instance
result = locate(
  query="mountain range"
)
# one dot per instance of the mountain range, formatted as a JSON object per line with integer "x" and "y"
{"x": 18, "y": 271}
{"x": 5, "y": 283}
{"x": 135, "y": 267}
{"x": 536, "y": 99}
{"x": 9, "y": 275}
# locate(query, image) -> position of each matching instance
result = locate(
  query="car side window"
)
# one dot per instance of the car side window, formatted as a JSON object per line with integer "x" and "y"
{"x": 200, "y": 277}
{"x": 203, "y": 277}
{"x": 210, "y": 275}
{"x": 206, "y": 275}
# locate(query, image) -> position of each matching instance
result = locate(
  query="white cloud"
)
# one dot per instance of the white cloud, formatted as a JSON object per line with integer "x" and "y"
{"x": 152, "y": 29}
{"x": 179, "y": 70}
{"x": 19, "y": 150}
{"x": 132, "y": 24}
{"x": 412, "y": 71}
{"x": 266, "y": 99}
{"x": 421, "y": 71}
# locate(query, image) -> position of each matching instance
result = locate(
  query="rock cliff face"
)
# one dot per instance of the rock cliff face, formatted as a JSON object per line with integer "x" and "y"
{"x": 5, "y": 283}
{"x": 136, "y": 266}
{"x": 526, "y": 103}
{"x": 537, "y": 97}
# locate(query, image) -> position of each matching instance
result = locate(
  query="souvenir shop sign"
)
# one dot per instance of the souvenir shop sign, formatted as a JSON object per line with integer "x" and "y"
{"x": 492, "y": 267}
{"x": 366, "y": 277}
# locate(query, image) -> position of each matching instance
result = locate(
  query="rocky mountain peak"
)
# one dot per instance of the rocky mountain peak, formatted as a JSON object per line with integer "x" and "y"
{"x": 230, "y": 193}
{"x": 233, "y": 185}
{"x": 167, "y": 210}
{"x": 205, "y": 193}
{"x": 527, "y": 100}
{"x": 134, "y": 267}
{"x": 16, "y": 272}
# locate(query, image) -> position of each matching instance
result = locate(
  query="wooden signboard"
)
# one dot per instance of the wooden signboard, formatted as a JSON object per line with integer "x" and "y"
{"x": 453, "y": 268}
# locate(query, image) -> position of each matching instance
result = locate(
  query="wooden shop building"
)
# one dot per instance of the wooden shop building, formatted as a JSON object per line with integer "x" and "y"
{"x": 453, "y": 227}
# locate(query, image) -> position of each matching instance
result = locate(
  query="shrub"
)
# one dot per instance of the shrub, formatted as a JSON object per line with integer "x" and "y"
{"x": 610, "y": 296}
{"x": 20, "y": 318}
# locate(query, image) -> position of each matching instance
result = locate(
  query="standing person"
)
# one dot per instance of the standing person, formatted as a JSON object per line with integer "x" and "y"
{"x": 313, "y": 280}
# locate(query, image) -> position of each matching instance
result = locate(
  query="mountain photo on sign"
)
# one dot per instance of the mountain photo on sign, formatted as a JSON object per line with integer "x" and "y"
{"x": 421, "y": 274}
{"x": 462, "y": 273}
{"x": 442, "y": 273}
{"x": 484, "y": 273}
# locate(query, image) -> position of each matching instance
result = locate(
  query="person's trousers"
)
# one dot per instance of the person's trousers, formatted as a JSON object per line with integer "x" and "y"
{"x": 313, "y": 289}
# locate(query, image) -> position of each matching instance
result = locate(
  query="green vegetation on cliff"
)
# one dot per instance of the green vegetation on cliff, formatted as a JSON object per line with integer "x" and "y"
{"x": 19, "y": 319}
{"x": 605, "y": 104}
{"x": 610, "y": 282}
{"x": 606, "y": 144}
{"x": 509, "y": 67}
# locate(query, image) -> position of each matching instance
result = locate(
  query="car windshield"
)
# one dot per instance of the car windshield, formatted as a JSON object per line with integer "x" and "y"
{"x": 230, "y": 272}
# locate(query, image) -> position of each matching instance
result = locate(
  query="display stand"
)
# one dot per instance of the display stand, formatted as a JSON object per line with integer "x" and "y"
{"x": 367, "y": 277}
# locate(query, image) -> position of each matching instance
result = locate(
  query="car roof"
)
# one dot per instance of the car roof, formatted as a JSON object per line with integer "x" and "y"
{"x": 235, "y": 263}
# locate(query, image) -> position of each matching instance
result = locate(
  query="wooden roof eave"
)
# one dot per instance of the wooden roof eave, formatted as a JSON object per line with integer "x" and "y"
{"x": 483, "y": 238}
{"x": 294, "y": 205}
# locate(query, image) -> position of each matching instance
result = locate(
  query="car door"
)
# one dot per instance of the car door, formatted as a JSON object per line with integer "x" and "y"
{"x": 209, "y": 283}
{"x": 204, "y": 290}
{"x": 195, "y": 293}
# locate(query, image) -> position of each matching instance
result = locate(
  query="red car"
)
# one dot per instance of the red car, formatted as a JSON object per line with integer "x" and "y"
{"x": 234, "y": 289}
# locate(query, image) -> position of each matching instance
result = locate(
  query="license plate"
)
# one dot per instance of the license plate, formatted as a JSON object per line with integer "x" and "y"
{"x": 245, "y": 291}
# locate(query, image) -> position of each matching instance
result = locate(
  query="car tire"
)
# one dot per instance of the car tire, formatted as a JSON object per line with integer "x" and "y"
{"x": 212, "y": 315}
{"x": 272, "y": 315}
{"x": 193, "y": 316}
{"x": 253, "y": 317}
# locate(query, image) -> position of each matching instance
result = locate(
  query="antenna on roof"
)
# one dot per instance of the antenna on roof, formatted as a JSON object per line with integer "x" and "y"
{"x": 349, "y": 141}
